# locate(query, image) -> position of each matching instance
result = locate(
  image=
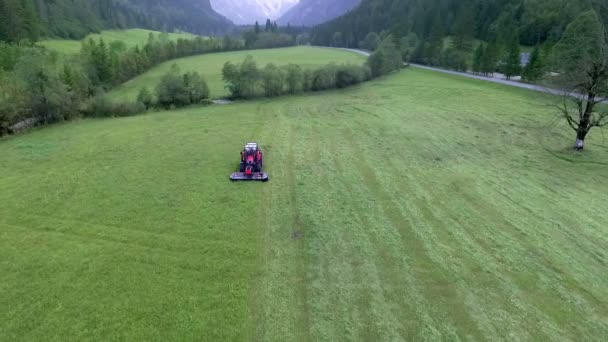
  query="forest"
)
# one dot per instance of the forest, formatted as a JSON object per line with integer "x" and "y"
{"x": 74, "y": 19}
{"x": 534, "y": 21}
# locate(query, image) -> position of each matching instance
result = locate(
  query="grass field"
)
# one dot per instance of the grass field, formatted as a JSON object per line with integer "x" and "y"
{"x": 420, "y": 206}
{"x": 210, "y": 66}
{"x": 131, "y": 38}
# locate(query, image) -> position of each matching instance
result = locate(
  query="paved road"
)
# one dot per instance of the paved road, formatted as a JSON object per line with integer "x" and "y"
{"x": 478, "y": 77}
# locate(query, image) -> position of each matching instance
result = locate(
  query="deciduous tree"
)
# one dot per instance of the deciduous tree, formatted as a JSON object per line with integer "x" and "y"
{"x": 582, "y": 58}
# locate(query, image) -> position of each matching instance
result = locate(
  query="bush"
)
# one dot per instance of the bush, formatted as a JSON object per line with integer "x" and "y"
{"x": 242, "y": 79}
{"x": 386, "y": 59}
{"x": 101, "y": 107}
{"x": 348, "y": 75}
{"x": 14, "y": 103}
{"x": 172, "y": 91}
{"x": 197, "y": 88}
{"x": 145, "y": 98}
{"x": 175, "y": 90}
{"x": 273, "y": 80}
{"x": 294, "y": 78}
{"x": 324, "y": 78}
{"x": 230, "y": 75}
{"x": 307, "y": 79}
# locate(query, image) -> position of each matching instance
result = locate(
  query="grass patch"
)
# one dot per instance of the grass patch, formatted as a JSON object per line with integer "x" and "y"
{"x": 417, "y": 206}
{"x": 131, "y": 38}
{"x": 210, "y": 66}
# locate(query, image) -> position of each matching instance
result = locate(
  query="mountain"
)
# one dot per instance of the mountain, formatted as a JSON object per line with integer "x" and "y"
{"x": 313, "y": 12}
{"x": 534, "y": 21}
{"x": 30, "y": 19}
{"x": 244, "y": 12}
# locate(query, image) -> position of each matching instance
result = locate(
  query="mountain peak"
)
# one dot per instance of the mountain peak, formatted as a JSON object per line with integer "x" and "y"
{"x": 243, "y": 12}
{"x": 313, "y": 12}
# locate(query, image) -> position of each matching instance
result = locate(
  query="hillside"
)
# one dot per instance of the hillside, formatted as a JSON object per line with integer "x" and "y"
{"x": 244, "y": 12}
{"x": 313, "y": 12}
{"x": 534, "y": 20}
{"x": 74, "y": 19}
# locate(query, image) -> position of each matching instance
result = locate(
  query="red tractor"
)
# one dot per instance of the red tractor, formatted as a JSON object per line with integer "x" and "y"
{"x": 252, "y": 162}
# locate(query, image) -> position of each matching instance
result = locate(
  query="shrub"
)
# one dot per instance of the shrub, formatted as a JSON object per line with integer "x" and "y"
{"x": 172, "y": 91}
{"x": 249, "y": 76}
{"x": 307, "y": 79}
{"x": 242, "y": 79}
{"x": 324, "y": 78}
{"x": 385, "y": 59}
{"x": 100, "y": 106}
{"x": 230, "y": 75}
{"x": 294, "y": 78}
{"x": 197, "y": 88}
{"x": 14, "y": 103}
{"x": 348, "y": 74}
{"x": 145, "y": 98}
{"x": 273, "y": 80}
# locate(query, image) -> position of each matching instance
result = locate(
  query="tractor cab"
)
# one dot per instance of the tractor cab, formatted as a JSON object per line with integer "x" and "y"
{"x": 251, "y": 147}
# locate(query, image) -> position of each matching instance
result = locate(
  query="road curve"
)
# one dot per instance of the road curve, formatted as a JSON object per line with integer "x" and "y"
{"x": 477, "y": 77}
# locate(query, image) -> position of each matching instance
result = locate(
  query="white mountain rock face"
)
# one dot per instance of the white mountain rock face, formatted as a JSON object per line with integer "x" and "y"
{"x": 313, "y": 12}
{"x": 243, "y": 12}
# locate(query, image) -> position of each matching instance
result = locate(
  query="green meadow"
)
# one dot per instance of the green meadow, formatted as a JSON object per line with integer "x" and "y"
{"x": 210, "y": 67}
{"x": 419, "y": 206}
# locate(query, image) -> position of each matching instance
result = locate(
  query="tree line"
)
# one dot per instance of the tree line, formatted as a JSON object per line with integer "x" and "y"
{"x": 271, "y": 35}
{"x": 484, "y": 36}
{"x": 246, "y": 80}
{"x": 536, "y": 21}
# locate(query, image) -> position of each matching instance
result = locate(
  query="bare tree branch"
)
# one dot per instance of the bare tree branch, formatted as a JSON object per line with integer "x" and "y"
{"x": 565, "y": 112}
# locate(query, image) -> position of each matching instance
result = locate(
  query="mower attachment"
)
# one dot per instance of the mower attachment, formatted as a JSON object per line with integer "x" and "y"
{"x": 255, "y": 176}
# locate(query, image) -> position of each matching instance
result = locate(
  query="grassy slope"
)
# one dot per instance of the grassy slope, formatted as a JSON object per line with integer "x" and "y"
{"x": 418, "y": 206}
{"x": 131, "y": 38}
{"x": 210, "y": 66}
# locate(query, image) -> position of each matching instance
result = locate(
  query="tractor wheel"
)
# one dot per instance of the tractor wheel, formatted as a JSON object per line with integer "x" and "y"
{"x": 242, "y": 168}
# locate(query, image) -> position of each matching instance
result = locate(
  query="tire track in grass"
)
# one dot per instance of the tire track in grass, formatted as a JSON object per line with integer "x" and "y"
{"x": 422, "y": 264}
{"x": 567, "y": 284}
{"x": 258, "y": 302}
{"x": 279, "y": 301}
{"x": 506, "y": 230}
{"x": 393, "y": 296}
{"x": 283, "y": 297}
{"x": 470, "y": 244}
{"x": 373, "y": 296}
{"x": 343, "y": 307}
{"x": 304, "y": 322}
{"x": 487, "y": 245}
{"x": 442, "y": 233}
